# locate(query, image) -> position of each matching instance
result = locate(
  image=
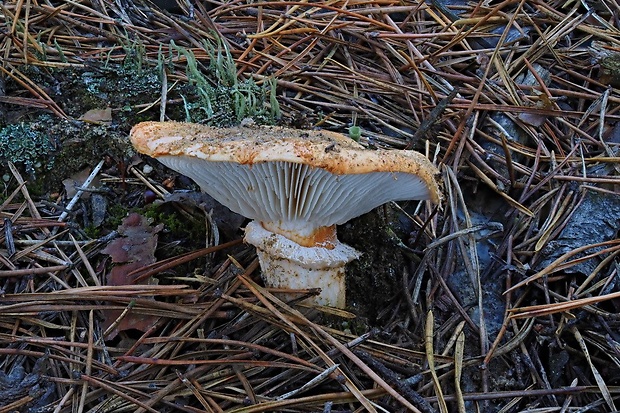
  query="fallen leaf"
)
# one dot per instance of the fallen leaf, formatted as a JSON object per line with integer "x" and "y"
{"x": 76, "y": 181}
{"x": 537, "y": 119}
{"x": 134, "y": 249}
{"x": 98, "y": 116}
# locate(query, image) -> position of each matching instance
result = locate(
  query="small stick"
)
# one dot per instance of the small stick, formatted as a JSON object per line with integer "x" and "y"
{"x": 311, "y": 383}
{"x": 80, "y": 191}
{"x": 432, "y": 118}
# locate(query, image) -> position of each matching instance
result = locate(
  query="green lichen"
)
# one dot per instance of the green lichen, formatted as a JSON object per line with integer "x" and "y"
{"x": 118, "y": 86}
{"x": 27, "y": 145}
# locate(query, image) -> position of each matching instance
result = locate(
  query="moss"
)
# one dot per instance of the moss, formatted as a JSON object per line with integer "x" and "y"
{"x": 355, "y": 132}
{"x": 218, "y": 97}
{"x": 182, "y": 232}
{"x": 115, "y": 214}
{"x": 179, "y": 229}
{"x": 92, "y": 231}
{"x": 171, "y": 221}
{"x": 376, "y": 277}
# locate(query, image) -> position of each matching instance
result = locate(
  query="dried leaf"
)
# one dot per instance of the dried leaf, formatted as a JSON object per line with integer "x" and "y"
{"x": 73, "y": 183}
{"x": 98, "y": 116}
{"x": 537, "y": 119}
{"x": 133, "y": 250}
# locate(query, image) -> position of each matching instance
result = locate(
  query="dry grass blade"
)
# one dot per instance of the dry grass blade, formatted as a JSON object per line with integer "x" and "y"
{"x": 349, "y": 384}
{"x": 458, "y": 365}
{"x": 430, "y": 321}
{"x": 561, "y": 264}
{"x": 600, "y": 381}
{"x": 547, "y": 309}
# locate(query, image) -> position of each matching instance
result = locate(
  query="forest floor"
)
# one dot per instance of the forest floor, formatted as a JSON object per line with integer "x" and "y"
{"x": 123, "y": 288}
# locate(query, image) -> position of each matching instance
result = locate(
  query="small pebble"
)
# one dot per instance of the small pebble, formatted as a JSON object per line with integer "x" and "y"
{"x": 147, "y": 169}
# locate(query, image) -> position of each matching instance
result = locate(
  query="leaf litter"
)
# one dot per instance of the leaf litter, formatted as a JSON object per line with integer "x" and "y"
{"x": 510, "y": 287}
{"x": 132, "y": 250}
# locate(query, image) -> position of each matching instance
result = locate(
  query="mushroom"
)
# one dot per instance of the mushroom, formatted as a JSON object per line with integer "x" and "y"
{"x": 296, "y": 185}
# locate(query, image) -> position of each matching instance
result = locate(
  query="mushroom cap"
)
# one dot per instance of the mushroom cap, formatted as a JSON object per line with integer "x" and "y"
{"x": 298, "y": 180}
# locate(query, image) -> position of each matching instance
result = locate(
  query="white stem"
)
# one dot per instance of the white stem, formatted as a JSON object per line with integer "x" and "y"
{"x": 286, "y": 264}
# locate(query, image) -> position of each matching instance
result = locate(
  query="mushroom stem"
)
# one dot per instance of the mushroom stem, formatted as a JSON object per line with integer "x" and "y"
{"x": 308, "y": 237}
{"x": 286, "y": 264}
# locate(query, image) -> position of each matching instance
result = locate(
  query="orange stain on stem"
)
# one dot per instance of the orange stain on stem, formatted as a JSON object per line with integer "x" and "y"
{"x": 324, "y": 237}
